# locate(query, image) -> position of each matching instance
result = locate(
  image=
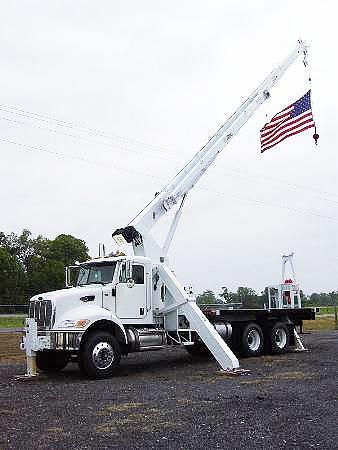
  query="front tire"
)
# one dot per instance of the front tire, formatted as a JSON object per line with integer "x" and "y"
{"x": 51, "y": 360}
{"x": 100, "y": 355}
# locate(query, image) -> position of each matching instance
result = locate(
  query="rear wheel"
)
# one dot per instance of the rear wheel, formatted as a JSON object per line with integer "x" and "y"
{"x": 278, "y": 338}
{"x": 100, "y": 355}
{"x": 251, "y": 340}
{"x": 51, "y": 360}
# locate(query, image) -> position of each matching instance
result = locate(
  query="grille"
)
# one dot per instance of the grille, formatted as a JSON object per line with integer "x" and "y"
{"x": 41, "y": 311}
{"x": 66, "y": 341}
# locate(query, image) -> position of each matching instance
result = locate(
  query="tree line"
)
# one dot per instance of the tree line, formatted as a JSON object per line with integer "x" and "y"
{"x": 248, "y": 298}
{"x": 30, "y": 266}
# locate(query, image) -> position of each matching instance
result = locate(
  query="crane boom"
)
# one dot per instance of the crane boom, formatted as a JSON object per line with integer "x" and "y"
{"x": 189, "y": 175}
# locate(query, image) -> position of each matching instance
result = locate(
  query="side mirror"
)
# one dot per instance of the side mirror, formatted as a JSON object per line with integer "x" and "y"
{"x": 67, "y": 273}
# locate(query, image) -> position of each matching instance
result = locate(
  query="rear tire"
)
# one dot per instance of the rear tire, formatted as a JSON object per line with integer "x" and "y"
{"x": 100, "y": 355}
{"x": 51, "y": 360}
{"x": 278, "y": 338}
{"x": 251, "y": 341}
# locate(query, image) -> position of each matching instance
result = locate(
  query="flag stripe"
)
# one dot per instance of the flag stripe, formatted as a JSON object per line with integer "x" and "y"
{"x": 296, "y": 123}
{"x": 284, "y": 123}
{"x": 276, "y": 118}
{"x": 286, "y": 130}
{"x": 288, "y": 135}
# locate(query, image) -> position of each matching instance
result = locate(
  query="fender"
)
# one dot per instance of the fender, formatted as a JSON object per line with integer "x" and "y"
{"x": 94, "y": 314}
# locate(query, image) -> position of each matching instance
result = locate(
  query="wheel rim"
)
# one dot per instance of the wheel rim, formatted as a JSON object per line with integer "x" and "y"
{"x": 103, "y": 355}
{"x": 280, "y": 338}
{"x": 254, "y": 340}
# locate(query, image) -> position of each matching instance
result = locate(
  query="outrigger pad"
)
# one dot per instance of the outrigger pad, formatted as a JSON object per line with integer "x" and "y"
{"x": 297, "y": 350}
{"x": 26, "y": 377}
{"x": 233, "y": 372}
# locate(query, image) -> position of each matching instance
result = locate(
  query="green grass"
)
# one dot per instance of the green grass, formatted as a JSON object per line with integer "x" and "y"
{"x": 325, "y": 309}
{"x": 11, "y": 322}
{"x": 321, "y": 323}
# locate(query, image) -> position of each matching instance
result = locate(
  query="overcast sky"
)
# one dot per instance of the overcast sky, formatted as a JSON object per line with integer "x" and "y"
{"x": 140, "y": 87}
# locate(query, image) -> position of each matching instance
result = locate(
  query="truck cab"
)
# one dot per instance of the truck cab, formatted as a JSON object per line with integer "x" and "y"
{"x": 111, "y": 295}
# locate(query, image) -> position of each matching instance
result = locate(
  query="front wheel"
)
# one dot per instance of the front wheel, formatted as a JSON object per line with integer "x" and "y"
{"x": 100, "y": 355}
{"x": 51, "y": 360}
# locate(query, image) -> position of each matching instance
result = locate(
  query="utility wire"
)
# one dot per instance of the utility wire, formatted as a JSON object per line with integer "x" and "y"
{"x": 72, "y": 125}
{"x": 79, "y": 158}
{"x": 111, "y": 166}
{"x": 82, "y": 138}
{"x": 156, "y": 149}
{"x": 218, "y": 167}
{"x": 264, "y": 203}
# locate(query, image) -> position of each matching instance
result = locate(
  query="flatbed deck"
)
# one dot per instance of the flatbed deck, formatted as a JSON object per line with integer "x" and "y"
{"x": 296, "y": 315}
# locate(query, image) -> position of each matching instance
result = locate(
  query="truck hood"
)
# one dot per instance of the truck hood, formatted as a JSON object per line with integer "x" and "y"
{"x": 70, "y": 293}
{"x": 66, "y": 301}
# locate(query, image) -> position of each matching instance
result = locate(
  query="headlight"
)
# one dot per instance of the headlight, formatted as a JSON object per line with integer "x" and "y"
{"x": 74, "y": 323}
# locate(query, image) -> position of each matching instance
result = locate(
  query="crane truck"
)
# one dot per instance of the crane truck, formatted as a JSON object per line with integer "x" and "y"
{"x": 131, "y": 303}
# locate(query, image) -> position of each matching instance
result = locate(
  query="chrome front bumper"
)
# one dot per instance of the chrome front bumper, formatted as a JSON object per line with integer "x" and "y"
{"x": 36, "y": 340}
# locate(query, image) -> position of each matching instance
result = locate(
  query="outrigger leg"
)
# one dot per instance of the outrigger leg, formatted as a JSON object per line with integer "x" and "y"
{"x": 179, "y": 300}
{"x": 29, "y": 345}
{"x": 299, "y": 347}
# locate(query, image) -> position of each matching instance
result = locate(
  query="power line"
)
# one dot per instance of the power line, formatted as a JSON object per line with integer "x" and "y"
{"x": 279, "y": 181}
{"x": 79, "y": 127}
{"x": 157, "y": 149}
{"x": 264, "y": 203}
{"x": 111, "y": 166}
{"x": 79, "y": 158}
{"x": 76, "y": 137}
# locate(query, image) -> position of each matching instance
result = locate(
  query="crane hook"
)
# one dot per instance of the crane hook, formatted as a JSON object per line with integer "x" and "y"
{"x": 316, "y": 136}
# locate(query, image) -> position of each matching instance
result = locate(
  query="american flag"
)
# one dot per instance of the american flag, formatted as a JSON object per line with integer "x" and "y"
{"x": 293, "y": 119}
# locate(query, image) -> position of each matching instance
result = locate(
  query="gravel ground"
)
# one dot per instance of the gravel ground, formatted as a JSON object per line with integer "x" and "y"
{"x": 170, "y": 400}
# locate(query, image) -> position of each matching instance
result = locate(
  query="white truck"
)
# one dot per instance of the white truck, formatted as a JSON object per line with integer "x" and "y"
{"x": 121, "y": 304}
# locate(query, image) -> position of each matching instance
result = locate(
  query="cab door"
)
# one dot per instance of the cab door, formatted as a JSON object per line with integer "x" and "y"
{"x": 109, "y": 298}
{"x": 131, "y": 294}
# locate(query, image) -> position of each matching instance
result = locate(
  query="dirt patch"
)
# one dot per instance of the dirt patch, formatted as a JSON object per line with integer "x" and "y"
{"x": 149, "y": 420}
{"x": 289, "y": 376}
{"x": 10, "y": 348}
{"x": 122, "y": 407}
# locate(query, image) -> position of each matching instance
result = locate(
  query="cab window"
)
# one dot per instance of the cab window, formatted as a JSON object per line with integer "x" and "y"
{"x": 138, "y": 274}
{"x": 123, "y": 273}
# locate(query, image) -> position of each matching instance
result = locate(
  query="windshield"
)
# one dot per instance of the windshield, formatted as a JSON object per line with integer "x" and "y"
{"x": 96, "y": 273}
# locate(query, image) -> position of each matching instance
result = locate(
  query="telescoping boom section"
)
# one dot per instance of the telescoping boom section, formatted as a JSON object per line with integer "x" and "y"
{"x": 189, "y": 175}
